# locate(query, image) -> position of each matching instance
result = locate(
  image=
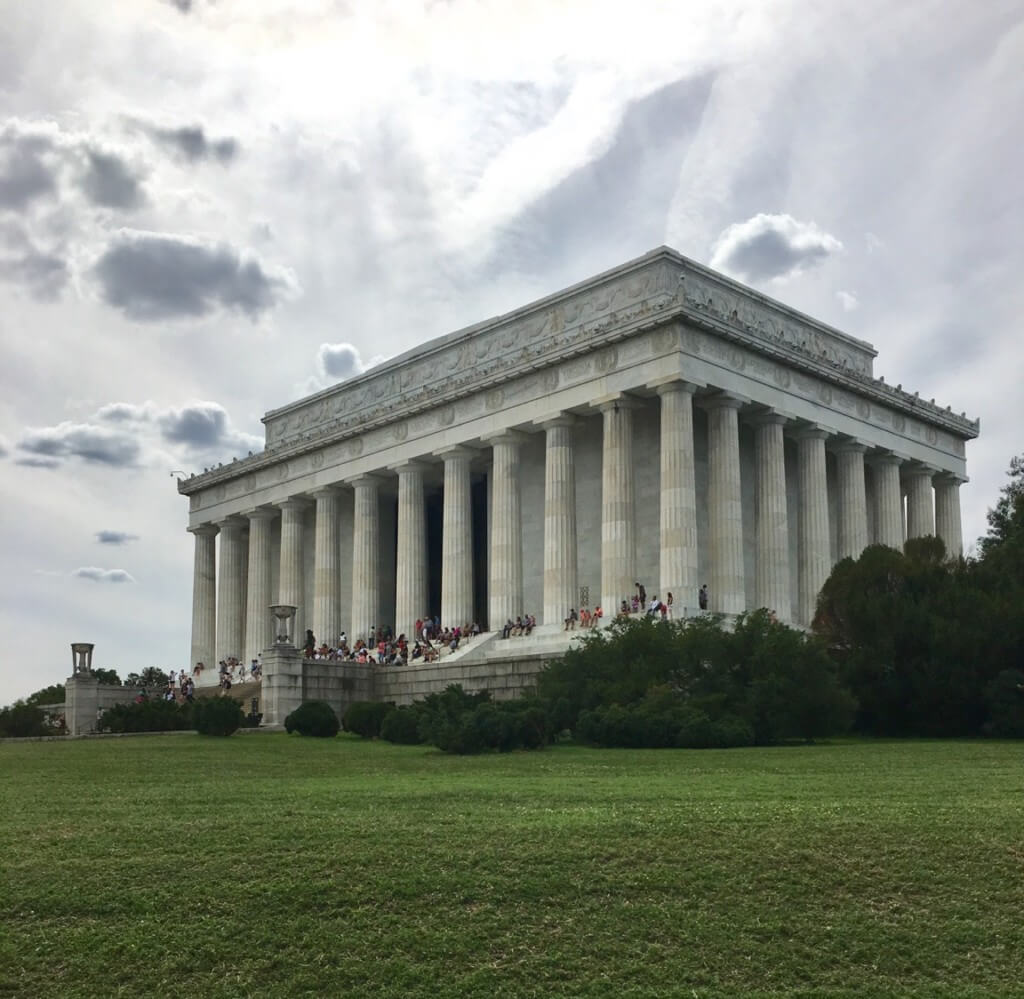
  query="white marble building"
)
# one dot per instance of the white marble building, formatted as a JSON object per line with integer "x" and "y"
{"x": 656, "y": 423}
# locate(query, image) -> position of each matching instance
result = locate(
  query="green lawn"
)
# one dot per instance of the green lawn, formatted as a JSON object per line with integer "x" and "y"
{"x": 276, "y": 866}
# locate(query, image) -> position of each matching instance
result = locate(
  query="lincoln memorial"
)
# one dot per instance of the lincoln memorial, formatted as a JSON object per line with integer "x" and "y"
{"x": 657, "y": 423}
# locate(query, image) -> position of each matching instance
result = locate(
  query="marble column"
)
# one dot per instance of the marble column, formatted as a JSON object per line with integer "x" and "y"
{"x": 771, "y": 516}
{"x": 204, "y": 599}
{"x": 411, "y": 574}
{"x": 920, "y": 503}
{"x": 457, "y": 539}
{"x": 618, "y": 507}
{"x": 291, "y": 576}
{"x": 326, "y": 567}
{"x": 725, "y": 507}
{"x": 853, "y": 500}
{"x": 947, "y": 512}
{"x": 365, "y": 557}
{"x": 812, "y": 521}
{"x": 506, "y": 552}
{"x": 678, "y": 506}
{"x": 888, "y": 500}
{"x": 560, "y": 571}
{"x": 230, "y": 595}
{"x": 259, "y": 622}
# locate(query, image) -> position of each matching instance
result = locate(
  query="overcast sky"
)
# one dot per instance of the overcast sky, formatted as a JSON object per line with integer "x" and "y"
{"x": 210, "y": 207}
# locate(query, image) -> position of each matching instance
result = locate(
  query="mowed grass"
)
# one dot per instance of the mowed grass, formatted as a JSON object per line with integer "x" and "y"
{"x": 264, "y": 865}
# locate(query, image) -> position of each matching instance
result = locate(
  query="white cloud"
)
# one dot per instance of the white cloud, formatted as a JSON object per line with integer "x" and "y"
{"x": 848, "y": 300}
{"x": 97, "y": 575}
{"x": 771, "y": 248}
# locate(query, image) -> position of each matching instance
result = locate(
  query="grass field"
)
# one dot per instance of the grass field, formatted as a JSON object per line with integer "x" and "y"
{"x": 274, "y": 866}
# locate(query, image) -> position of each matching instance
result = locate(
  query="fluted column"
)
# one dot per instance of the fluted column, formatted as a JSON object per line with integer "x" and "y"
{"x": 725, "y": 506}
{"x": 230, "y": 595}
{"x": 618, "y": 513}
{"x": 326, "y": 567}
{"x": 947, "y": 513}
{"x": 812, "y": 521}
{"x": 560, "y": 572}
{"x": 506, "y": 555}
{"x": 457, "y": 540}
{"x": 204, "y": 598}
{"x": 678, "y": 494}
{"x": 259, "y": 622}
{"x": 920, "y": 503}
{"x": 365, "y": 556}
{"x": 771, "y": 516}
{"x": 888, "y": 500}
{"x": 411, "y": 573}
{"x": 291, "y": 575}
{"x": 853, "y": 501}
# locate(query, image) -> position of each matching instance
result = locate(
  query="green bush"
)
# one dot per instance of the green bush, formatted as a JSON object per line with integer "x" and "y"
{"x": 651, "y": 726}
{"x": 157, "y": 715}
{"x": 402, "y": 726}
{"x": 217, "y": 716}
{"x": 22, "y": 720}
{"x": 364, "y": 718}
{"x": 1005, "y": 700}
{"x": 316, "y": 718}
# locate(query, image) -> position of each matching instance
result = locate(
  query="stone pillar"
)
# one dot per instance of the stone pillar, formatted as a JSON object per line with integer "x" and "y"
{"x": 281, "y": 689}
{"x": 204, "y": 599}
{"x": 888, "y": 500}
{"x": 560, "y": 567}
{"x": 920, "y": 504}
{"x": 853, "y": 500}
{"x": 411, "y": 574}
{"x": 506, "y": 555}
{"x": 290, "y": 587}
{"x": 618, "y": 508}
{"x": 678, "y": 495}
{"x": 457, "y": 540}
{"x": 230, "y": 595}
{"x": 259, "y": 625}
{"x": 947, "y": 513}
{"x": 326, "y": 568}
{"x": 771, "y": 516}
{"x": 725, "y": 507}
{"x": 812, "y": 521}
{"x": 365, "y": 557}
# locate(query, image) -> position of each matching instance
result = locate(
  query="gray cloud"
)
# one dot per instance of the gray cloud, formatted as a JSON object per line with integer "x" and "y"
{"x": 94, "y": 444}
{"x": 191, "y": 142}
{"x": 25, "y": 173}
{"x": 771, "y": 247}
{"x": 108, "y": 180}
{"x": 200, "y": 427}
{"x": 4, "y": 449}
{"x": 183, "y": 5}
{"x": 115, "y": 537}
{"x": 37, "y": 462}
{"x": 44, "y": 274}
{"x": 98, "y": 575}
{"x": 152, "y": 276}
{"x": 338, "y": 361}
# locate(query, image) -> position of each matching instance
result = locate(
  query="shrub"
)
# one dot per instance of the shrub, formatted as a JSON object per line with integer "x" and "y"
{"x": 217, "y": 716}
{"x": 146, "y": 716}
{"x": 365, "y": 718}
{"x": 1005, "y": 699}
{"x": 21, "y": 720}
{"x": 402, "y": 726}
{"x": 316, "y": 718}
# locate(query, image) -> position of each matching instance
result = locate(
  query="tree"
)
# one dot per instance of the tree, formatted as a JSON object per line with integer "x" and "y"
{"x": 107, "y": 677}
{"x": 151, "y": 676}
{"x": 56, "y": 693}
{"x": 1006, "y": 518}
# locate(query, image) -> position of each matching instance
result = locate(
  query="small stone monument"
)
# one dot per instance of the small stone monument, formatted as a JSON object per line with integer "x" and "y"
{"x": 284, "y": 615}
{"x": 282, "y": 685}
{"x": 81, "y": 658}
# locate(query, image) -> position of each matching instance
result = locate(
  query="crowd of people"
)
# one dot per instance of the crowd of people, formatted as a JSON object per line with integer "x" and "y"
{"x": 384, "y": 648}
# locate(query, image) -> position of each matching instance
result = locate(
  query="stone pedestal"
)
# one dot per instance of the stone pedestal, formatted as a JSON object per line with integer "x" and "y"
{"x": 282, "y": 688}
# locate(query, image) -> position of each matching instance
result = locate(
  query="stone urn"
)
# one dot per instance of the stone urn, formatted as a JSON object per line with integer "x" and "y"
{"x": 284, "y": 616}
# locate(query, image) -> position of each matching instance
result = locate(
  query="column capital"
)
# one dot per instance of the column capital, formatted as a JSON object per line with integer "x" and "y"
{"x": 768, "y": 418}
{"x": 414, "y": 465}
{"x": 365, "y": 479}
{"x": 505, "y": 437}
{"x": 615, "y": 401}
{"x": 849, "y": 445}
{"x": 261, "y": 513}
{"x": 812, "y": 432}
{"x": 946, "y": 478}
{"x": 204, "y": 530}
{"x": 234, "y": 522}
{"x": 673, "y": 383}
{"x": 918, "y": 470}
{"x": 455, "y": 451}
{"x": 294, "y": 503}
{"x": 324, "y": 491}
{"x": 886, "y": 458}
{"x": 556, "y": 420}
{"x": 723, "y": 400}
